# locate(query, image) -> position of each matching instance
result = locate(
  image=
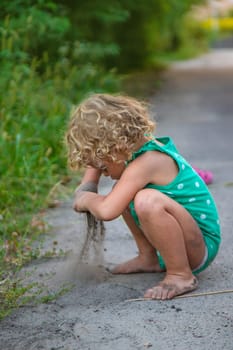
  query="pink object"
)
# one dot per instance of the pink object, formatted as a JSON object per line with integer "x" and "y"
{"x": 206, "y": 175}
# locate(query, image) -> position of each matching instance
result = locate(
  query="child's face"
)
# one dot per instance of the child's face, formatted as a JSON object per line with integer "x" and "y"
{"x": 114, "y": 170}
{"x": 110, "y": 168}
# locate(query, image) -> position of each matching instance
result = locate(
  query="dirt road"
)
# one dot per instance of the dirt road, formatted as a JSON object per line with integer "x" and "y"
{"x": 195, "y": 107}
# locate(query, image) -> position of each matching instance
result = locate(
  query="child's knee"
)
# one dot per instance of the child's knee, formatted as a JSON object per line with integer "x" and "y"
{"x": 148, "y": 201}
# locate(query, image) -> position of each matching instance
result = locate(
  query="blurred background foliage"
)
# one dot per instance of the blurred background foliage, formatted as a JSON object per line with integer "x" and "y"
{"x": 52, "y": 54}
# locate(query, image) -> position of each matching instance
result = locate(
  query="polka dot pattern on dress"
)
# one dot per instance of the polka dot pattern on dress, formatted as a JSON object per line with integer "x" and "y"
{"x": 203, "y": 216}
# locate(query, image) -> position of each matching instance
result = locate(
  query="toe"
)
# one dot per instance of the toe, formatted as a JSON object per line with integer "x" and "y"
{"x": 156, "y": 293}
{"x": 165, "y": 291}
{"x": 148, "y": 293}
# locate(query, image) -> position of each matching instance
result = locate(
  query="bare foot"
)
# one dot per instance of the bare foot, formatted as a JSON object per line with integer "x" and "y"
{"x": 138, "y": 264}
{"x": 171, "y": 287}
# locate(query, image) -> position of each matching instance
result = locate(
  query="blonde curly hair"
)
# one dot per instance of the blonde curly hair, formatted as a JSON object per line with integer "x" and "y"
{"x": 104, "y": 126}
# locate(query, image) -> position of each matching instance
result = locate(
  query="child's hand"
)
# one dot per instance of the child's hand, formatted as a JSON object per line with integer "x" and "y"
{"x": 80, "y": 193}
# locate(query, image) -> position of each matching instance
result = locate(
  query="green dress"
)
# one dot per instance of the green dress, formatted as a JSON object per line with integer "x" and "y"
{"x": 189, "y": 190}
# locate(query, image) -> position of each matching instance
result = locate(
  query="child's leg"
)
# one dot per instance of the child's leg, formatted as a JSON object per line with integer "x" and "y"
{"x": 147, "y": 260}
{"x": 173, "y": 231}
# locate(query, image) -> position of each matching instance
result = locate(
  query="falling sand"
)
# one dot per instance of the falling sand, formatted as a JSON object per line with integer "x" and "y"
{"x": 86, "y": 264}
{"x": 92, "y": 250}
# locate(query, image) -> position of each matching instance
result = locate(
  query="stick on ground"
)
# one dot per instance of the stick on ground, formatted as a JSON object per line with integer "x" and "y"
{"x": 193, "y": 295}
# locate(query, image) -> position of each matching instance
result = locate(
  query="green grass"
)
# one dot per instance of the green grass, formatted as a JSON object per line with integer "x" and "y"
{"x": 35, "y": 103}
{"x": 12, "y": 295}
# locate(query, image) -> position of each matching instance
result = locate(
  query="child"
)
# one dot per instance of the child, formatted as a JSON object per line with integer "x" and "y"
{"x": 164, "y": 202}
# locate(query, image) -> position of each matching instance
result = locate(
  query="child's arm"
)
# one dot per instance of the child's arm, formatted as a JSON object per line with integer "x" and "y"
{"x": 110, "y": 206}
{"x": 89, "y": 183}
{"x": 90, "y": 180}
{"x": 91, "y": 175}
{"x": 151, "y": 167}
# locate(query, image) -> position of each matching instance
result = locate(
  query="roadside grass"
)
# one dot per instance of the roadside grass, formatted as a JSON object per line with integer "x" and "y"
{"x": 14, "y": 294}
{"x": 11, "y": 293}
{"x": 34, "y": 110}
